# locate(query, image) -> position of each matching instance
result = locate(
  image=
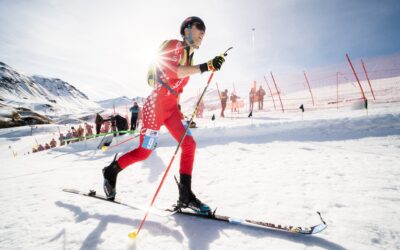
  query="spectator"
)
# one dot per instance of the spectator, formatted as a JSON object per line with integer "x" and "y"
{"x": 224, "y": 99}
{"x": 74, "y": 135}
{"x": 53, "y": 143}
{"x": 252, "y": 96}
{"x": 80, "y": 132}
{"x": 135, "y": 109}
{"x": 233, "y": 99}
{"x": 47, "y": 146}
{"x": 61, "y": 138}
{"x": 40, "y": 148}
{"x": 260, "y": 97}
{"x": 68, "y": 136}
{"x": 89, "y": 129}
{"x": 106, "y": 127}
{"x": 99, "y": 122}
{"x": 113, "y": 125}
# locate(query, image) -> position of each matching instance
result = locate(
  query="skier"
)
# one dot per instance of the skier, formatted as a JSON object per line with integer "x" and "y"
{"x": 168, "y": 76}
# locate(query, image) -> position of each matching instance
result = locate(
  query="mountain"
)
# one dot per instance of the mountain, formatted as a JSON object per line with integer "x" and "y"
{"x": 41, "y": 94}
{"x": 122, "y": 102}
{"x": 38, "y": 99}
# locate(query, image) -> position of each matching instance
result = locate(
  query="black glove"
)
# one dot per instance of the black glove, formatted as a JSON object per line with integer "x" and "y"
{"x": 212, "y": 65}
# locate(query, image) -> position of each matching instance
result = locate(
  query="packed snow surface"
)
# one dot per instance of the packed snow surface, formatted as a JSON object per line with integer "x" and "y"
{"x": 278, "y": 167}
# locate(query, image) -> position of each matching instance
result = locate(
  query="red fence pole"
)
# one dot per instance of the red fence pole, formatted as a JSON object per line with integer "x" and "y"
{"x": 369, "y": 83}
{"x": 355, "y": 74}
{"x": 270, "y": 92}
{"x": 309, "y": 88}
{"x": 279, "y": 94}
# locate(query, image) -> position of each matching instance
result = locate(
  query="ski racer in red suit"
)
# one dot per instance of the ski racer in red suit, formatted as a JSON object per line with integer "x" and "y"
{"x": 169, "y": 75}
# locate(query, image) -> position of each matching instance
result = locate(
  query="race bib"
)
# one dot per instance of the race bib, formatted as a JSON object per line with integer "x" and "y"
{"x": 150, "y": 139}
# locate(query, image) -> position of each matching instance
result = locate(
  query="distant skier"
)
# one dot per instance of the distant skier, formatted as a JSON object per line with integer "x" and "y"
{"x": 168, "y": 76}
{"x": 134, "y": 115}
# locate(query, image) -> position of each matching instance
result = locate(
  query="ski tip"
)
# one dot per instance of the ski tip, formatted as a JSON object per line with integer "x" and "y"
{"x": 318, "y": 228}
{"x": 132, "y": 235}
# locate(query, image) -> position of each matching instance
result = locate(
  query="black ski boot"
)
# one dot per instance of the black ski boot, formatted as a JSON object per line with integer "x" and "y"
{"x": 187, "y": 199}
{"x": 110, "y": 179}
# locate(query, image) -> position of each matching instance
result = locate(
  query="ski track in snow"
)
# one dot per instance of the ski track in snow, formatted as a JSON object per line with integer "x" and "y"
{"x": 275, "y": 167}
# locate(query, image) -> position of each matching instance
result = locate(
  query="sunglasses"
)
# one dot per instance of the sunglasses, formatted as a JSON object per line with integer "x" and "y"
{"x": 199, "y": 26}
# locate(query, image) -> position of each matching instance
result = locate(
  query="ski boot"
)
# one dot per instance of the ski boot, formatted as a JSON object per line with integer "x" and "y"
{"x": 187, "y": 199}
{"x": 110, "y": 179}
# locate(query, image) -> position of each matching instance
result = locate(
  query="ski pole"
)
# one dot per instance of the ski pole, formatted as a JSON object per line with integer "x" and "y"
{"x": 134, "y": 234}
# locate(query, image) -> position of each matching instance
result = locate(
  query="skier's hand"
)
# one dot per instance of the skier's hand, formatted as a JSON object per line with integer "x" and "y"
{"x": 212, "y": 65}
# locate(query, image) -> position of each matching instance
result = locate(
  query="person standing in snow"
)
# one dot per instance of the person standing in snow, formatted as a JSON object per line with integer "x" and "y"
{"x": 260, "y": 98}
{"x": 233, "y": 99}
{"x": 89, "y": 129}
{"x": 169, "y": 76}
{"x": 80, "y": 132}
{"x": 252, "y": 97}
{"x": 134, "y": 115}
{"x": 224, "y": 99}
{"x": 61, "y": 139}
{"x": 98, "y": 122}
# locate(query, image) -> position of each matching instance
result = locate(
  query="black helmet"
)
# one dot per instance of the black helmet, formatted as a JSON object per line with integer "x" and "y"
{"x": 191, "y": 20}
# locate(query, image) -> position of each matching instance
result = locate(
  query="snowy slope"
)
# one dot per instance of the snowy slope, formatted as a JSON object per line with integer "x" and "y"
{"x": 277, "y": 167}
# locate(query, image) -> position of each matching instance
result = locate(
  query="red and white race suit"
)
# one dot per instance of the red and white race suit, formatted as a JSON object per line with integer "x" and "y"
{"x": 161, "y": 108}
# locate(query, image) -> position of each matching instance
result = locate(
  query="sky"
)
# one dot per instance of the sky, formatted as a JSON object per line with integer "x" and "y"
{"x": 104, "y": 47}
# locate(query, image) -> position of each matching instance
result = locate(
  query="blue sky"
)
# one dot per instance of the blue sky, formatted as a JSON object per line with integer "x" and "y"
{"x": 104, "y": 47}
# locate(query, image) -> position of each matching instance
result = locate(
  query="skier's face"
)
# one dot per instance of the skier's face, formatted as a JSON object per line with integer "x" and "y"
{"x": 197, "y": 34}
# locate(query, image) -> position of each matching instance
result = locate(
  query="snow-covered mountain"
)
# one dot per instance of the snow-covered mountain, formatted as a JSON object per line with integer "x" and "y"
{"x": 40, "y": 98}
{"x": 122, "y": 101}
{"x": 41, "y": 94}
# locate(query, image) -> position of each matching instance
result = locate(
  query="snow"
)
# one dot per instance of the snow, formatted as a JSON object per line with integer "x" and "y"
{"x": 276, "y": 167}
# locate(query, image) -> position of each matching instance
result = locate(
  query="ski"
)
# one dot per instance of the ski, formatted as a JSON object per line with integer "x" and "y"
{"x": 255, "y": 224}
{"x": 211, "y": 216}
{"x": 93, "y": 194}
